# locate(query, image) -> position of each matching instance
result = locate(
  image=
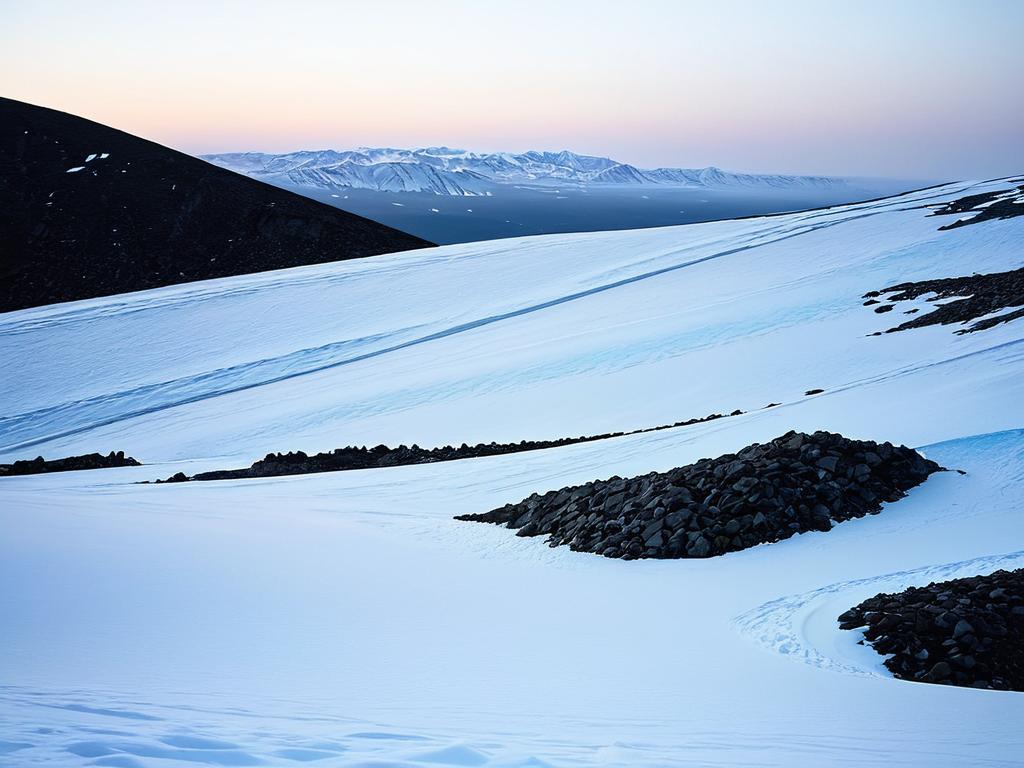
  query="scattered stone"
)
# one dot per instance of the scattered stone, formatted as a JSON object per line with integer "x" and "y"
{"x": 1001, "y": 204}
{"x": 763, "y": 493}
{"x": 977, "y": 297}
{"x": 39, "y": 465}
{"x": 967, "y": 632}
{"x": 351, "y": 457}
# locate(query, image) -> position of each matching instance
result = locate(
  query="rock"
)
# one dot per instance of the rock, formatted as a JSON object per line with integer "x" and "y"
{"x": 976, "y": 300}
{"x": 699, "y": 547}
{"x": 962, "y": 628}
{"x": 652, "y": 533}
{"x": 939, "y": 672}
{"x": 761, "y": 494}
{"x": 967, "y": 632}
{"x": 40, "y": 465}
{"x": 351, "y": 457}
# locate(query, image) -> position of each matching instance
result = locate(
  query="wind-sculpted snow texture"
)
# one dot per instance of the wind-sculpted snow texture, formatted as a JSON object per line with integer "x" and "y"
{"x": 764, "y": 493}
{"x": 347, "y": 618}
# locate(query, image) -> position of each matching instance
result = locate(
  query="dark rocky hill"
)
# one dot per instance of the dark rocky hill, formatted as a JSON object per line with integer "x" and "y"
{"x": 87, "y": 210}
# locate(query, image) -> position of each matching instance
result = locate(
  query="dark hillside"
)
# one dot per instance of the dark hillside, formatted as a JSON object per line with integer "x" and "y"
{"x": 87, "y": 210}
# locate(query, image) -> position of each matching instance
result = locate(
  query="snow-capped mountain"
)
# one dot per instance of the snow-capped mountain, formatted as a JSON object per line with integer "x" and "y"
{"x": 446, "y": 171}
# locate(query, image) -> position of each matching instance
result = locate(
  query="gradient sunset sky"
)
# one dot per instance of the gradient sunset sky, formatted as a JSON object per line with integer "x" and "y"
{"x": 925, "y": 90}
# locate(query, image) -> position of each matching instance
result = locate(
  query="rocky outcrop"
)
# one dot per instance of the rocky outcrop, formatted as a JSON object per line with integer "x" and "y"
{"x": 981, "y": 295}
{"x": 299, "y": 463}
{"x": 40, "y": 465}
{"x": 973, "y": 209}
{"x": 967, "y": 632}
{"x": 763, "y": 493}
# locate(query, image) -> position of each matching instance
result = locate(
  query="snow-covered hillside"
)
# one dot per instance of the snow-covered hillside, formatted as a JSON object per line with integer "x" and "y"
{"x": 346, "y": 618}
{"x": 445, "y": 171}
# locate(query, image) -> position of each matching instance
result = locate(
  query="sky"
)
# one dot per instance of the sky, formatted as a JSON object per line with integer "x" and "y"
{"x": 908, "y": 89}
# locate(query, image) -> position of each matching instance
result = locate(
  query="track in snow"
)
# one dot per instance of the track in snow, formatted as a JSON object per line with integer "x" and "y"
{"x": 52, "y": 423}
{"x": 788, "y": 625}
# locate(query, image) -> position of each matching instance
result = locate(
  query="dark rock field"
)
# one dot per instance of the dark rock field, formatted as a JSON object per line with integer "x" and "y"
{"x": 299, "y": 463}
{"x": 987, "y": 206}
{"x": 966, "y": 632}
{"x": 982, "y": 295}
{"x": 763, "y": 493}
{"x": 40, "y": 465}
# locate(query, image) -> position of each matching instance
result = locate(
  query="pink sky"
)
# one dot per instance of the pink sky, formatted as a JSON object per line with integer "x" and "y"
{"x": 911, "y": 89}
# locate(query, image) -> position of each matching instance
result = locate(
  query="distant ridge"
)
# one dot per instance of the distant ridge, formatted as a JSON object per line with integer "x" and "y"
{"x": 87, "y": 210}
{"x": 446, "y": 171}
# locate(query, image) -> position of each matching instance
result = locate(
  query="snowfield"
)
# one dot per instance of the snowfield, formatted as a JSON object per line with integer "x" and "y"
{"x": 346, "y": 619}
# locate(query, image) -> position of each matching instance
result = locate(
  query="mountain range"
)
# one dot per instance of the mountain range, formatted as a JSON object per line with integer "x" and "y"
{"x": 446, "y": 171}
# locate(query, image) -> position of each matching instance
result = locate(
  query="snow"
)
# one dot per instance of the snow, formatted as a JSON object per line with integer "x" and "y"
{"x": 76, "y": 169}
{"x": 90, "y": 158}
{"x": 462, "y": 173}
{"x": 346, "y": 618}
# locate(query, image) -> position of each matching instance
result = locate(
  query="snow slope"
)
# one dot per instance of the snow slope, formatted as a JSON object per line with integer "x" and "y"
{"x": 346, "y": 619}
{"x": 446, "y": 171}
